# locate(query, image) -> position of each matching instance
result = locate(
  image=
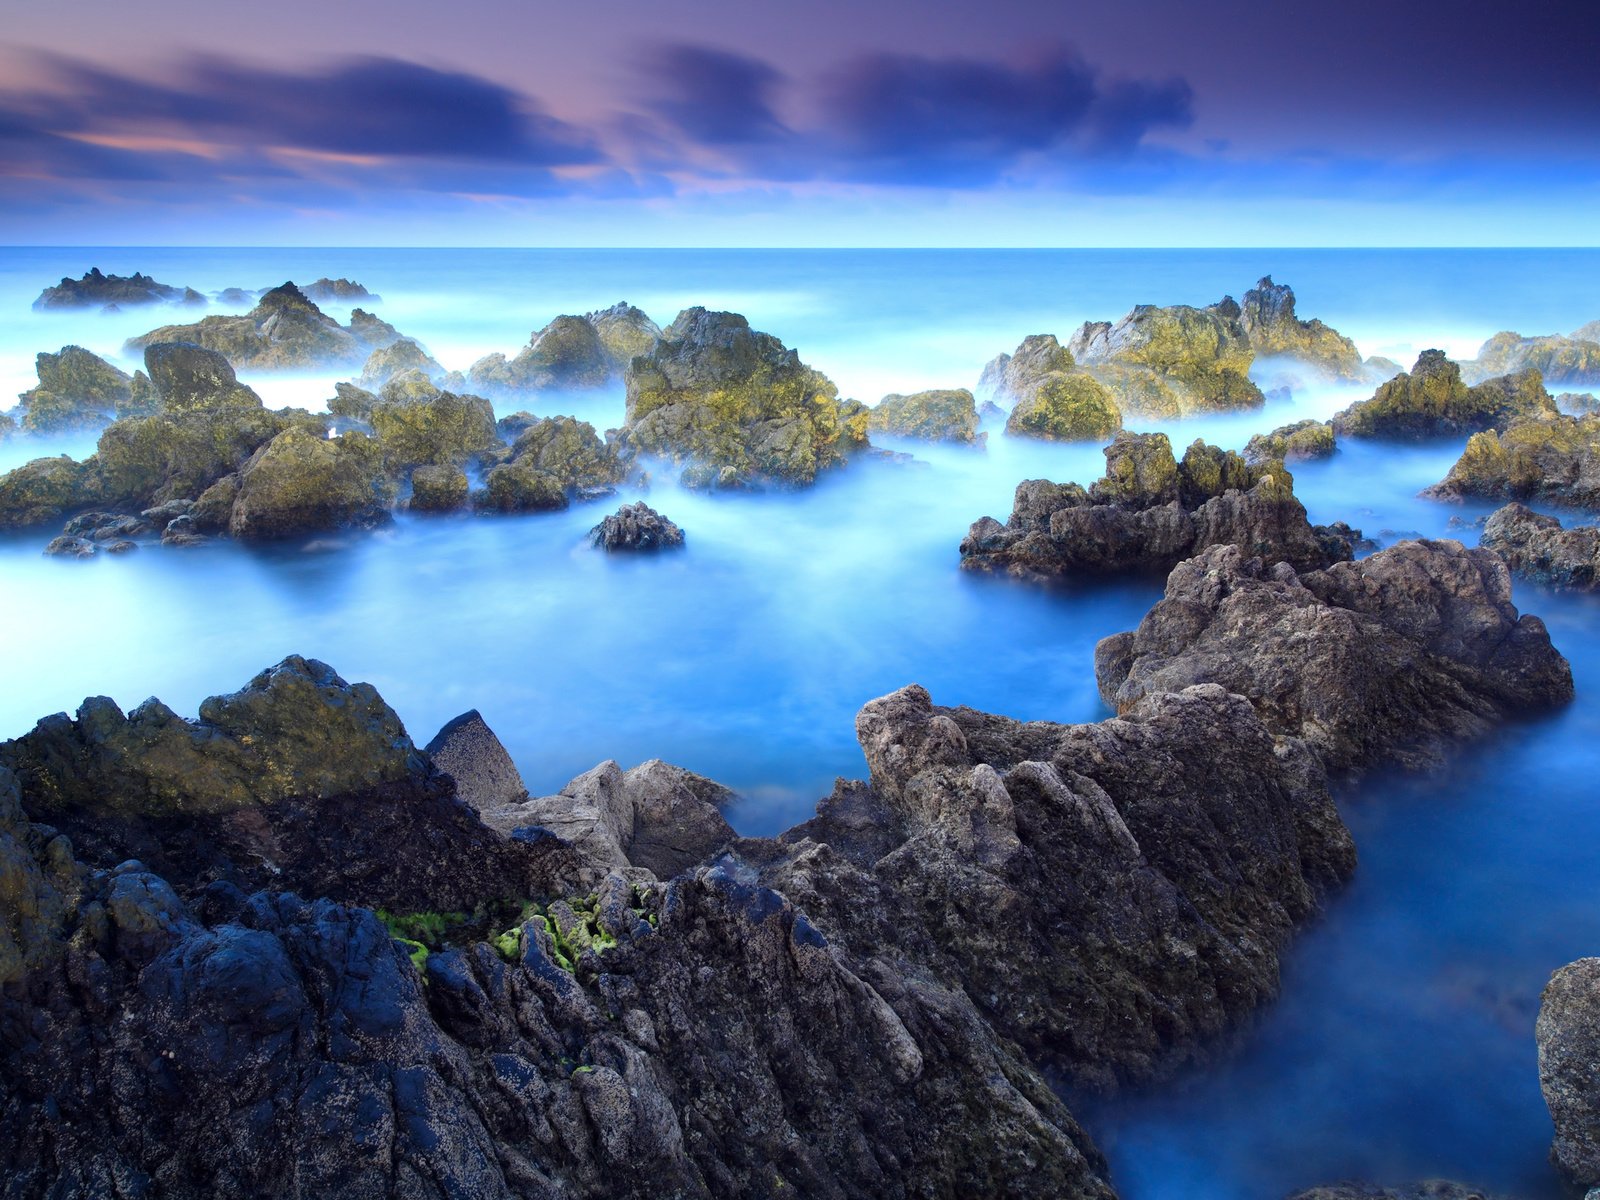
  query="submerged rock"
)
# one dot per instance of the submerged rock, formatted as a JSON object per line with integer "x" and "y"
{"x": 1553, "y": 459}
{"x": 1433, "y": 401}
{"x": 738, "y": 405}
{"x": 1428, "y": 1189}
{"x": 97, "y": 290}
{"x": 1148, "y": 513}
{"x": 935, "y": 416}
{"x": 1386, "y": 660}
{"x": 1568, "y": 1032}
{"x": 636, "y": 527}
{"x": 68, "y": 546}
{"x": 1539, "y": 548}
{"x": 77, "y": 390}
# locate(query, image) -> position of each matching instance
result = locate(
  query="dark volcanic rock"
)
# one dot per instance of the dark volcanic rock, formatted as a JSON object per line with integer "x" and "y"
{"x": 1433, "y": 401}
{"x": 468, "y": 751}
{"x": 1553, "y": 459}
{"x": 1386, "y": 660}
{"x": 68, "y": 546}
{"x": 1148, "y": 513}
{"x": 1539, "y": 548}
{"x": 95, "y": 290}
{"x": 636, "y": 527}
{"x": 1568, "y": 1032}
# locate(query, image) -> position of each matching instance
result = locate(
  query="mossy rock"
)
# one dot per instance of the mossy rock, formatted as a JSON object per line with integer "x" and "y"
{"x": 1573, "y": 360}
{"x": 567, "y": 353}
{"x": 1208, "y": 471}
{"x": 299, "y": 484}
{"x": 149, "y": 460}
{"x": 1141, "y": 471}
{"x": 1268, "y": 318}
{"x": 284, "y": 331}
{"x": 1201, "y": 354}
{"x": 438, "y": 489}
{"x": 8, "y": 426}
{"x": 520, "y": 486}
{"x": 77, "y": 390}
{"x": 1013, "y": 376}
{"x": 192, "y": 378}
{"x": 1553, "y": 459}
{"x": 1433, "y": 401}
{"x": 45, "y": 490}
{"x": 1301, "y": 441}
{"x": 406, "y": 354}
{"x": 935, "y": 416}
{"x": 569, "y": 450}
{"x": 351, "y": 402}
{"x": 626, "y": 332}
{"x": 1068, "y": 408}
{"x": 433, "y": 429}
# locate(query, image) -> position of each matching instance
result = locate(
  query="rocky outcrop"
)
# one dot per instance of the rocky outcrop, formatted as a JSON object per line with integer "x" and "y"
{"x": 98, "y": 290}
{"x": 1173, "y": 361}
{"x": 1568, "y": 1032}
{"x": 1551, "y": 459}
{"x": 552, "y": 460}
{"x": 933, "y": 416}
{"x": 416, "y": 424}
{"x": 1574, "y": 361}
{"x": 1299, "y": 442}
{"x": 1148, "y": 513}
{"x": 1433, "y": 401}
{"x": 1012, "y": 376}
{"x": 44, "y": 490}
{"x": 636, "y": 528}
{"x": 77, "y": 390}
{"x": 285, "y": 330}
{"x": 300, "y": 483}
{"x": 736, "y": 406}
{"x": 468, "y": 751}
{"x": 187, "y": 377}
{"x": 405, "y": 354}
{"x": 1267, "y": 316}
{"x": 439, "y": 489}
{"x": 1066, "y": 408}
{"x": 567, "y": 353}
{"x": 1538, "y": 548}
{"x": 625, "y": 331}
{"x": 1386, "y": 660}
{"x": 339, "y": 290}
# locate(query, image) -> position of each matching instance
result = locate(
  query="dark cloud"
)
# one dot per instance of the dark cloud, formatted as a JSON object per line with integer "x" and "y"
{"x": 712, "y": 96}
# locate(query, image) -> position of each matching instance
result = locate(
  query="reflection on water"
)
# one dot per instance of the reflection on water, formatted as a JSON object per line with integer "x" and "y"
{"x": 1402, "y": 1046}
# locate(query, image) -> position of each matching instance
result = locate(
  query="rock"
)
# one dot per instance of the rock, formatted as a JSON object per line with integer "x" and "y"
{"x": 338, "y": 289}
{"x": 96, "y": 290}
{"x": 352, "y": 403}
{"x": 8, "y": 426}
{"x": 1385, "y": 660}
{"x": 1149, "y": 513}
{"x": 1428, "y": 1189}
{"x": 67, "y": 546}
{"x": 299, "y": 484}
{"x": 521, "y": 486}
{"x": 625, "y": 331}
{"x": 636, "y": 527}
{"x": 406, "y": 354}
{"x": 738, "y": 404}
{"x": 438, "y": 489}
{"x": 1013, "y": 376}
{"x": 1433, "y": 402}
{"x": 1072, "y": 408}
{"x": 468, "y": 751}
{"x": 1571, "y": 360}
{"x": 1274, "y": 331}
{"x": 77, "y": 390}
{"x": 1568, "y": 1032}
{"x": 416, "y": 424}
{"x": 1200, "y": 357}
{"x": 285, "y": 330}
{"x": 570, "y": 451}
{"x": 935, "y": 416}
{"x": 1577, "y": 404}
{"x": 1540, "y": 549}
{"x": 567, "y": 353}
{"x": 1552, "y": 459}
{"x": 188, "y": 377}
{"x": 44, "y": 490}
{"x": 1301, "y": 441}
{"x": 107, "y": 526}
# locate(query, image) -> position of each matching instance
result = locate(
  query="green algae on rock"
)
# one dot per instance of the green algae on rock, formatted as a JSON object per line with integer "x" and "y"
{"x": 438, "y": 489}
{"x": 1297, "y": 442}
{"x": 301, "y": 483}
{"x": 1554, "y": 459}
{"x": 1067, "y": 408}
{"x": 1433, "y": 400}
{"x": 949, "y": 415}
{"x": 77, "y": 390}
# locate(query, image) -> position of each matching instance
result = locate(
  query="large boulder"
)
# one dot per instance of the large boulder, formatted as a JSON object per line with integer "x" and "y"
{"x": 98, "y": 290}
{"x": 1433, "y": 401}
{"x": 77, "y": 390}
{"x": 1296, "y": 442}
{"x": 1537, "y": 547}
{"x": 439, "y": 489}
{"x": 300, "y": 484}
{"x": 625, "y": 331}
{"x": 1574, "y": 361}
{"x": 45, "y": 490}
{"x": 1201, "y": 356}
{"x": 145, "y": 461}
{"x": 1386, "y": 660}
{"x": 936, "y": 416}
{"x": 468, "y": 751}
{"x": 567, "y": 353}
{"x": 1067, "y": 408}
{"x": 1268, "y": 318}
{"x": 285, "y": 330}
{"x": 423, "y": 426}
{"x": 1552, "y": 459}
{"x": 1148, "y": 513}
{"x": 1009, "y": 377}
{"x": 405, "y": 354}
{"x": 188, "y": 377}
{"x": 1568, "y": 1033}
{"x": 738, "y": 405}
{"x": 571, "y": 452}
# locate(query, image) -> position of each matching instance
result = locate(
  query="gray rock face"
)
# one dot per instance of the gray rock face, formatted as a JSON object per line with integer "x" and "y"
{"x": 636, "y": 527}
{"x": 1568, "y": 1032}
{"x": 1386, "y": 660}
{"x": 1539, "y": 548}
{"x": 468, "y": 751}
{"x": 1149, "y": 513}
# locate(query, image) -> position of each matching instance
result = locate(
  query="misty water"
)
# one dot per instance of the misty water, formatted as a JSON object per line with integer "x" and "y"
{"x": 1402, "y": 1046}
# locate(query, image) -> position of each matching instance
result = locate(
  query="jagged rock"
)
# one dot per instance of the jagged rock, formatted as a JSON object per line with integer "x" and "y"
{"x": 567, "y": 353}
{"x": 625, "y": 331}
{"x": 339, "y": 289}
{"x": 405, "y": 354}
{"x": 77, "y": 390}
{"x": 635, "y": 527}
{"x": 569, "y": 451}
{"x": 1013, "y": 376}
{"x": 1568, "y": 360}
{"x": 1385, "y": 660}
{"x": 188, "y": 377}
{"x": 1433, "y": 401}
{"x": 1539, "y": 548}
{"x": 299, "y": 483}
{"x": 285, "y": 330}
{"x": 1298, "y": 442}
{"x": 1066, "y": 407}
{"x": 44, "y": 490}
{"x": 1568, "y": 1032}
{"x": 738, "y": 405}
{"x": 416, "y": 424}
{"x": 1148, "y": 513}
{"x": 352, "y": 403}
{"x": 439, "y": 489}
{"x": 97, "y": 290}
{"x": 68, "y": 546}
{"x": 468, "y": 751}
{"x": 936, "y": 416}
{"x": 1273, "y": 330}
{"x": 1200, "y": 357}
{"x": 521, "y": 486}
{"x": 1554, "y": 459}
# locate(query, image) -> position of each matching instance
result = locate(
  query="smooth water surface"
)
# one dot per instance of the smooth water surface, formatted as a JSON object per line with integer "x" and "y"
{"x": 1402, "y": 1046}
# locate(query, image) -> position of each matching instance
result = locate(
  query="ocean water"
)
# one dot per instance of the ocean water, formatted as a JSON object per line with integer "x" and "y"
{"x": 1402, "y": 1046}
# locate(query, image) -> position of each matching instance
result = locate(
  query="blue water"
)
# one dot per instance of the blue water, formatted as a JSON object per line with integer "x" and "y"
{"x": 1402, "y": 1046}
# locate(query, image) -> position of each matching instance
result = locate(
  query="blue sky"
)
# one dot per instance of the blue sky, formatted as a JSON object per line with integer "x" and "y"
{"x": 707, "y": 122}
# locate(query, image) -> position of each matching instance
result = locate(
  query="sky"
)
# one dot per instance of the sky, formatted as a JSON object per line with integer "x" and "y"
{"x": 873, "y": 122}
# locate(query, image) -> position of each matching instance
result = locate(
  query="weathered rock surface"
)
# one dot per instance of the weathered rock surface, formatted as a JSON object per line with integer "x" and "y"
{"x": 625, "y": 331}
{"x": 416, "y": 424}
{"x": 1386, "y": 660}
{"x": 43, "y": 490}
{"x": 96, "y": 290}
{"x": 1538, "y": 547}
{"x": 338, "y": 289}
{"x": 552, "y": 460}
{"x": 1148, "y": 513}
{"x": 300, "y": 483}
{"x": 737, "y": 405}
{"x": 1433, "y": 401}
{"x": 949, "y": 415}
{"x": 1267, "y": 315}
{"x": 567, "y": 353}
{"x": 405, "y": 354}
{"x": 439, "y": 489}
{"x": 76, "y": 390}
{"x": 1568, "y": 1032}
{"x": 1553, "y": 459}
{"x": 1066, "y": 408}
{"x": 1176, "y": 360}
{"x": 1012, "y": 376}
{"x": 1301, "y": 441}
{"x": 1571, "y": 360}
{"x": 468, "y": 751}
{"x": 284, "y": 330}
{"x": 187, "y": 376}
{"x": 636, "y": 527}
{"x": 1428, "y": 1189}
